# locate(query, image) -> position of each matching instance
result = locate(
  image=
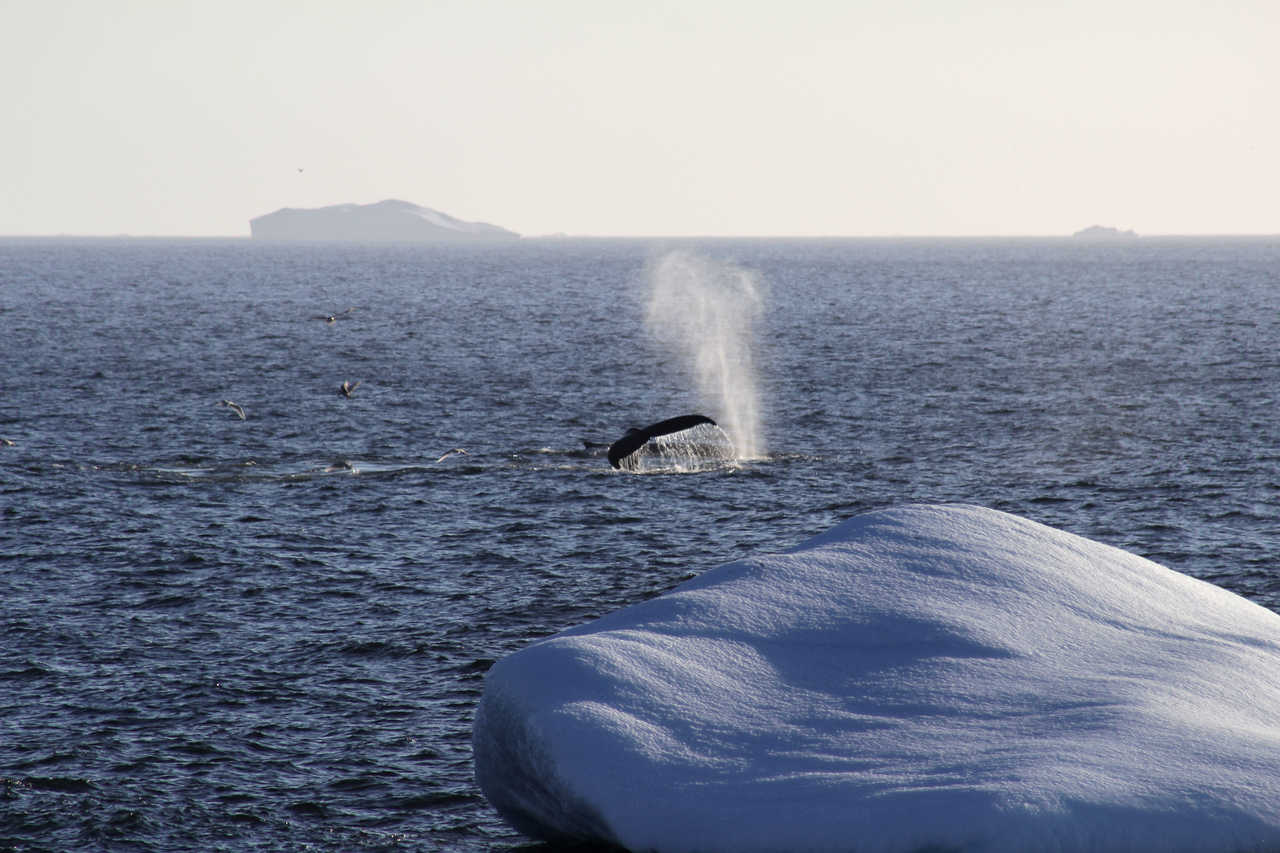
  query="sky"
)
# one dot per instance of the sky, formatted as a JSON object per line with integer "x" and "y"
{"x": 693, "y": 117}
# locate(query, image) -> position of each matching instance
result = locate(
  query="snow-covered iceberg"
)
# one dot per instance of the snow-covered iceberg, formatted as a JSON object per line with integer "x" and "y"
{"x": 383, "y": 221}
{"x": 925, "y": 677}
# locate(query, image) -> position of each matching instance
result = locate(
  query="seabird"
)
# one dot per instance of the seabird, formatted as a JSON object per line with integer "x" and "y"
{"x": 333, "y": 318}
{"x": 456, "y": 450}
{"x": 7, "y": 442}
{"x": 235, "y": 407}
{"x": 348, "y": 388}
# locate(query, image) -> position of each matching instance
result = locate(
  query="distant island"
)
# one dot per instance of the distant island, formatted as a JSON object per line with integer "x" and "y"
{"x": 384, "y": 221}
{"x": 1103, "y": 232}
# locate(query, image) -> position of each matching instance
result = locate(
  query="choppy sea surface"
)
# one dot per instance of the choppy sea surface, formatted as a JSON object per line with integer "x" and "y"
{"x": 270, "y": 633}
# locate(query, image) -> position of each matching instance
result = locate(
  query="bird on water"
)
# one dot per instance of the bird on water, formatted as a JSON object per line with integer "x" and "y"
{"x": 330, "y": 319}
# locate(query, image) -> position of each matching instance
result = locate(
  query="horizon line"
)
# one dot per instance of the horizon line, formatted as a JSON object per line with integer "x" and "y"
{"x": 1120, "y": 238}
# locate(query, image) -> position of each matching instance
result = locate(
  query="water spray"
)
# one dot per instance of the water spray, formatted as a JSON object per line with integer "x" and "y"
{"x": 707, "y": 310}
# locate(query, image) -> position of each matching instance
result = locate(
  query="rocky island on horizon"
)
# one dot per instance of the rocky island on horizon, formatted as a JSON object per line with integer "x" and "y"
{"x": 385, "y": 221}
{"x": 1103, "y": 232}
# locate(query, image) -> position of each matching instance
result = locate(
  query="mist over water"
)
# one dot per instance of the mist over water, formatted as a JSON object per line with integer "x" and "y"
{"x": 707, "y": 310}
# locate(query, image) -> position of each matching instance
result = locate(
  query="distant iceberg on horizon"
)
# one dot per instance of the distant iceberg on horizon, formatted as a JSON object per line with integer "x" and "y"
{"x": 925, "y": 677}
{"x": 1104, "y": 232}
{"x": 391, "y": 220}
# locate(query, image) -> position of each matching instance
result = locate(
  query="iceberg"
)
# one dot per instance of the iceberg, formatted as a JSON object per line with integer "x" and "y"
{"x": 1104, "y": 232}
{"x": 383, "y": 221}
{"x": 919, "y": 678}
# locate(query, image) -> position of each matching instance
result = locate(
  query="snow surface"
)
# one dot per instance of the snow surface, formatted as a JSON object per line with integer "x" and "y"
{"x": 924, "y": 677}
{"x": 433, "y": 217}
{"x": 440, "y": 220}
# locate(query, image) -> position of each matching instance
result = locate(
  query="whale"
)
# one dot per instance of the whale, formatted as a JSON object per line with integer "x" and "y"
{"x": 634, "y": 438}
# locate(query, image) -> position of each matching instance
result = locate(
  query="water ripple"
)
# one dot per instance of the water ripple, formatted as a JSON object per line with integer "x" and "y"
{"x": 271, "y": 633}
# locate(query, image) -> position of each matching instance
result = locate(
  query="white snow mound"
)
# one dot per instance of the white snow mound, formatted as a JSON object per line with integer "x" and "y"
{"x": 925, "y": 677}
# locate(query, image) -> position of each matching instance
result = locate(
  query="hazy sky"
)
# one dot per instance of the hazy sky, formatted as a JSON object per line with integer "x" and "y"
{"x": 793, "y": 117}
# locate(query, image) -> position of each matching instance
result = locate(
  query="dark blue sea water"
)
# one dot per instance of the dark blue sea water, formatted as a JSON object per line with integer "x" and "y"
{"x": 271, "y": 633}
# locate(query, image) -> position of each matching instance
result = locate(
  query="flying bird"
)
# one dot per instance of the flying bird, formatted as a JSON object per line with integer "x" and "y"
{"x": 455, "y": 451}
{"x": 235, "y": 407}
{"x": 348, "y": 388}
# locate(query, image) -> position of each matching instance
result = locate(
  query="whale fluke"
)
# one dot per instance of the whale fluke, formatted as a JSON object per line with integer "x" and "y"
{"x": 636, "y": 438}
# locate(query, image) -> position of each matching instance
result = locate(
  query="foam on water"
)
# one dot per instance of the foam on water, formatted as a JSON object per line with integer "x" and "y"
{"x": 707, "y": 310}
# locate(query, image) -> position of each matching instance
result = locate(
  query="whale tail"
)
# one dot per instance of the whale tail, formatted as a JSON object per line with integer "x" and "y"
{"x": 623, "y": 451}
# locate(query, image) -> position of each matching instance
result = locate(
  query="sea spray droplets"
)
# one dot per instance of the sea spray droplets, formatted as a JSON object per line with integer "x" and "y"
{"x": 707, "y": 310}
{"x": 700, "y": 448}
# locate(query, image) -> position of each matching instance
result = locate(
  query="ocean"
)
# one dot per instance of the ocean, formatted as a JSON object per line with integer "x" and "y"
{"x": 270, "y": 633}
